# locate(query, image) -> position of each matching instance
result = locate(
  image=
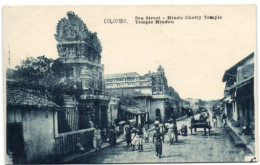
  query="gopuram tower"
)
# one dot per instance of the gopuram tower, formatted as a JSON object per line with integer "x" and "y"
{"x": 80, "y": 50}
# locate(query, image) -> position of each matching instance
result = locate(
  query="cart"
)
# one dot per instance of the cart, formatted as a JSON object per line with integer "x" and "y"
{"x": 200, "y": 121}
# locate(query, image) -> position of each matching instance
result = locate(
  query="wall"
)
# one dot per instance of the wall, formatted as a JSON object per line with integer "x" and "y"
{"x": 156, "y": 104}
{"x": 38, "y": 128}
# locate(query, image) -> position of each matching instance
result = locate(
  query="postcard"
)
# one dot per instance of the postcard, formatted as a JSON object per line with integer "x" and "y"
{"x": 130, "y": 84}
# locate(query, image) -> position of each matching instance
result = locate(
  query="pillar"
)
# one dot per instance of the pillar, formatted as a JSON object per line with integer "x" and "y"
{"x": 139, "y": 119}
{"x": 99, "y": 116}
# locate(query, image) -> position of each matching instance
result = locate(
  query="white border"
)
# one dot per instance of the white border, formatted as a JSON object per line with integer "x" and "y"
{"x": 105, "y": 2}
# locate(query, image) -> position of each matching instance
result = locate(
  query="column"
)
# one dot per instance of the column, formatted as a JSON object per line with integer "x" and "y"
{"x": 139, "y": 119}
{"x": 99, "y": 116}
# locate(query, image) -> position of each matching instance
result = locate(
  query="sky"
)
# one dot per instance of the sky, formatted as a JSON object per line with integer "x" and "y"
{"x": 194, "y": 53}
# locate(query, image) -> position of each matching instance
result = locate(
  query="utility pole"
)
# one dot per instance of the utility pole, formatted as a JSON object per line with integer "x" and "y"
{"x": 9, "y": 59}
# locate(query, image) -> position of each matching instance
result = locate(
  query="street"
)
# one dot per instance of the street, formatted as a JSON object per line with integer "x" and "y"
{"x": 216, "y": 147}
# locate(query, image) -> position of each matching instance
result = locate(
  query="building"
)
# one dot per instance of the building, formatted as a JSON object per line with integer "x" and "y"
{"x": 112, "y": 110}
{"x": 128, "y": 81}
{"x": 150, "y": 91}
{"x": 30, "y": 124}
{"x": 44, "y": 131}
{"x": 239, "y": 94}
{"x": 80, "y": 50}
{"x": 193, "y": 104}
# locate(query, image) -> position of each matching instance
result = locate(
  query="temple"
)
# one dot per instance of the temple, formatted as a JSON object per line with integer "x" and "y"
{"x": 80, "y": 50}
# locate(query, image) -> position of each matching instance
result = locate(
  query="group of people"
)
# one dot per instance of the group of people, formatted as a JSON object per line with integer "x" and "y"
{"x": 99, "y": 138}
{"x": 136, "y": 135}
{"x": 215, "y": 120}
{"x": 158, "y": 137}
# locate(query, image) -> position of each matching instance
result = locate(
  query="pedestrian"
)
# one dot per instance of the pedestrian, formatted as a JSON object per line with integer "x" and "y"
{"x": 91, "y": 124}
{"x": 140, "y": 138}
{"x": 80, "y": 146}
{"x": 97, "y": 140}
{"x": 158, "y": 137}
{"x": 112, "y": 136}
{"x": 214, "y": 120}
{"x": 156, "y": 123}
{"x": 145, "y": 131}
{"x": 104, "y": 135}
{"x": 171, "y": 132}
{"x": 224, "y": 119}
{"x": 134, "y": 137}
{"x": 127, "y": 133}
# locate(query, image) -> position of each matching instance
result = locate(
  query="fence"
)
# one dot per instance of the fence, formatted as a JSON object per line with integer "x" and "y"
{"x": 66, "y": 143}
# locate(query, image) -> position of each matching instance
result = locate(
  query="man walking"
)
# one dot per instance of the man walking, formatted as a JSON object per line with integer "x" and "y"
{"x": 140, "y": 138}
{"x": 214, "y": 120}
{"x": 224, "y": 119}
{"x": 145, "y": 131}
{"x": 112, "y": 136}
{"x": 134, "y": 138}
{"x": 127, "y": 133}
{"x": 97, "y": 140}
{"x": 171, "y": 132}
{"x": 158, "y": 142}
{"x": 156, "y": 123}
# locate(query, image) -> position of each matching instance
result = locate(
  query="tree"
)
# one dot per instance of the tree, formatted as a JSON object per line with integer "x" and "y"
{"x": 34, "y": 70}
{"x": 52, "y": 76}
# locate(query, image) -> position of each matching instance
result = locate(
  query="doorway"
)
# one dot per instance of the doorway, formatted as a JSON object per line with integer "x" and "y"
{"x": 15, "y": 141}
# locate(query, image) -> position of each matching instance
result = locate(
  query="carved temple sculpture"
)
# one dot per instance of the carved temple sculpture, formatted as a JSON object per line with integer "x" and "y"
{"x": 80, "y": 49}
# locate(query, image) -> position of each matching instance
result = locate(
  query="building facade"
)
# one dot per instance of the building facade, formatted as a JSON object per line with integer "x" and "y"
{"x": 239, "y": 94}
{"x": 150, "y": 91}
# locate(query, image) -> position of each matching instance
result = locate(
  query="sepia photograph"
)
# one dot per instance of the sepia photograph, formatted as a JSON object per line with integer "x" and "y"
{"x": 130, "y": 84}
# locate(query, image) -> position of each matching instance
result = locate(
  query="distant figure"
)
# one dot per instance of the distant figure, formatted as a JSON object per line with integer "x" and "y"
{"x": 158, "y": 142}
{"x": 184, "y": 130}
{"x": 156, "y": 123}
{"x": 140, "y": 138}
{"x": 175, "y": 131}
{"x": 127, "y": 133}
{"x": 171, "y": 132}
{"x": 134, "y": 137}
{"x": 91, "y": 124}
{"x": 214, "y": 120}
{"x": 104, "y": 135}
{"x": 112, "y": 136}
{"x": 145, "y": 131}
{"x": 224, "y": 120}
{"x": 97, "y": 140}
{"x": 79, "y": 146}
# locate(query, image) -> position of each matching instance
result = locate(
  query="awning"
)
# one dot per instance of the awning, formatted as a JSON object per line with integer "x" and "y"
{"x": 228, "y": 99}
{"x": 134, "y": 110}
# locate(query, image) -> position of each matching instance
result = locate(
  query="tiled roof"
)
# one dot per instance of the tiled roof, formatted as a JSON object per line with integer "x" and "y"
{"x": 20, "y": 97}
{"x": 121, "y": 75}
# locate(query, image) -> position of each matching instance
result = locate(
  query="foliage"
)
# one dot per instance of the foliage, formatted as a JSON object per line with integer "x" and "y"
{"x": 171, "y": 92}
{"x": 34, "y": 70}
{"x": 52, "y": 75}
{"x": 127, "y": 100}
